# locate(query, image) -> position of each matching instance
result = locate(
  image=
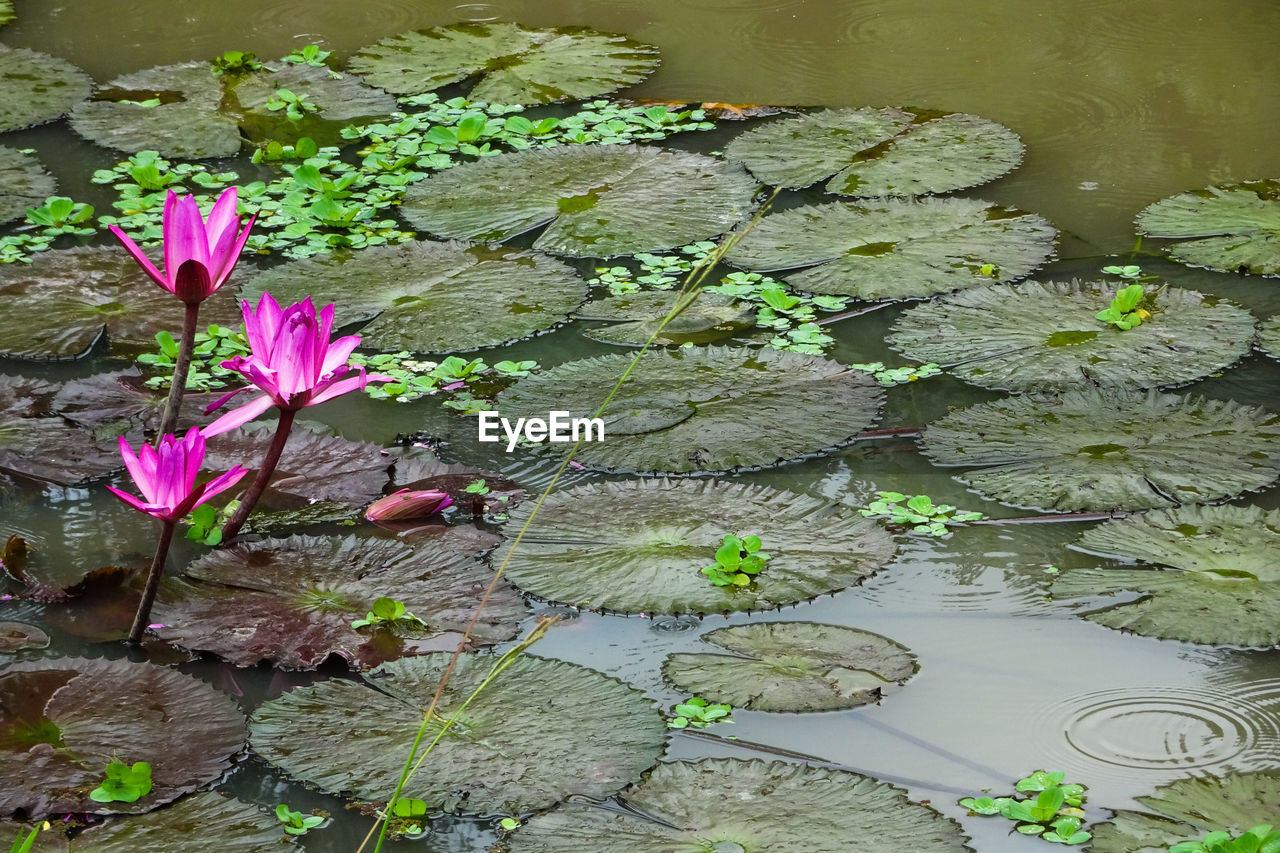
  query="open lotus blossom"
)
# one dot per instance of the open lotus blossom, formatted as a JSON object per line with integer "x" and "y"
{"x": 199, "y": 255}
{"x": 291, "y": 359}
{"x": 408, "y": 504}
{"x": 166, "y": 476}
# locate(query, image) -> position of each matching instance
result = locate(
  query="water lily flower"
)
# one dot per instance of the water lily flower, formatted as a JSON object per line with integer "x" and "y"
{"x": 408, "y": 504}
{"x": 199, "y": 255}
{"x": 166, "y": 476}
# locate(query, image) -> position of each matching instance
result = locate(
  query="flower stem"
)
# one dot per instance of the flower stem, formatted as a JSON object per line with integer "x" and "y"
{"x": 143, "y": 616}
{"x": 180, "y": 369}
{"x": 259, "y": 484}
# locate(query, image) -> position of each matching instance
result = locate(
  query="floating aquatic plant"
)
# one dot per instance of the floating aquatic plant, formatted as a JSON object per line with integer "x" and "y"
{"x": 633, "y": 318}
{"x": 1232, "y": 227}
{"x": 1259, "y": 839}
{"x": 738, "y": 561}
{"x": 696, "y": 712}
{"x": 50, "y": 449}
{"x": 891, "y": 376}
{"x": 1053, "y": 814}
{"x": 918, "y": 512}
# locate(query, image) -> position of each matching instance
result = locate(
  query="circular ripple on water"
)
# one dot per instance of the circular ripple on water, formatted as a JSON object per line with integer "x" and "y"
{"x": 1169, "y": 728}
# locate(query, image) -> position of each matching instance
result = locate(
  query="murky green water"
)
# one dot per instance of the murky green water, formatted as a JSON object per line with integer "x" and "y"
{"x": 1119, "y": 105}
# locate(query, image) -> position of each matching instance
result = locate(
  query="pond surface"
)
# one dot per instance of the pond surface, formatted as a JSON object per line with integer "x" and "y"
{"x": 1119, "y": 105}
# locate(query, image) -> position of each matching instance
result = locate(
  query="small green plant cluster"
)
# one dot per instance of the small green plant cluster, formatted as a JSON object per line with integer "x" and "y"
{"x": 295, "y": 107}
{"x": 205, "y": 522}
{"x": 792, "y": 318}
{"x": 466, "y": 383}
{"x": 388, "y": 613}
{"x": 124, "y": 783}
{"x": 696, "y": 712}
{"x": 918, "y": 512}
{"x": 1053, "y": 814}
{"x": 408, "y": 817}
{"x": 738, "y": 561}
{"x": 236, "y": 62}
{"x": 59, "y": 215}
{"x": 212, "y": 347}
{"x": 1124, "y": 312}
{"x": 1260, "y": 839}
{"x": 143, "y": 181}
{"x": 311, "y": 54}
{"x": 657, "y": 272}
{"x": 890, "y": 376}
{"x": 272, "y": 151}
{"x": 296, "y": 823}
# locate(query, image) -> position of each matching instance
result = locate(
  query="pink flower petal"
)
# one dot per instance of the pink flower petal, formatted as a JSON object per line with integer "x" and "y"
{"x": 239, "y": 417}
{"x": 127, "y": 498}
{"x": 143, "y": 261}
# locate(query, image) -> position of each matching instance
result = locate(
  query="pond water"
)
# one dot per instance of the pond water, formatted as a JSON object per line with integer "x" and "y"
{"x": 1119, "y": 105}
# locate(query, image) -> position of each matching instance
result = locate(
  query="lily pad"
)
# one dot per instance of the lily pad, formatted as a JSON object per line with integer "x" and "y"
{"x": 518, "y": 65}
{"x": 636, "y": 316}
{"x": 23, "y": 183}
{"x": 36, "y": 87}
{"x": 61, "y": 303}
{"x": 646, "y": 554}
{"x": 792, "y": 666}
{"x": 524, "y": 743}
{"x": 879, "y": 152}
{"x": 338, "y": 100}
{"x": 292, "y": 601}
{"x": 601, "y": 200}
{"x": 1109, "y": 449}
{"x": 19, "y": 636}
{"x": 727, "y": 804}
{"x": 46, "y": 448}
{"x": 207, "y": 821}
{"x": 186, "y": 123}
{"x": 897, "y": 248}
{"x": 1189, "y": 809}
{"x": 1269, "y": 337}
{"x": 63, "y": 719}
{"x": 1221, "y": 584}
{"x": 717, "y": 408}
{"x": 1044, "y": 335}
{"x": 423, "y": 296}
{"x": 6, "y": 12}
{"x": 119, "y": 403}
{"x": 1231, "y": 228}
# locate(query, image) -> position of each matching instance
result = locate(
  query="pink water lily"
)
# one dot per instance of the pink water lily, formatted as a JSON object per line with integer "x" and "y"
{"x": 199, "y": 255}
{"x": 166, "y": 476}
{"x": 292, "y": 360}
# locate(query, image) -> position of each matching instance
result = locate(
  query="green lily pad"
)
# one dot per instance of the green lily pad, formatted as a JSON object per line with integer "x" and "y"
{"x": 1044, "y": 335}
{"x": 897, "y": 248}
{"x": 750, "y": 408}
{"x": 1231, "y": 228}
{"x": 1109, "y": 449}
{"x": 1221, "y": 585}
{"x": 524, "y": 743}
{"x": 879, "y": 152}
{"x": 6, "y": 12}
{"x": 601, "y": 200}
{"x": 60, "y": 304}
{"x": 791, "y": 666}
{"x": 63, "y": 719}
{"x": 422, "y": 296}
{"x": 23, "y": 183}
{"x": 207, "y": 821}
{"x": 636, "y": 316}
{"x": 19, "y": 636}
{"x": 518, "y": 65}
{"x": 727, "y": 804}
{"x": 1269, "y": 336}
{"x": 36, "y": 87}
{"x": 646, "y": 554}
{"x": 186, "y": 123}
{"x": 292, "y": 601}
{"x": 338, "y": 101}
{"x": 1189, "y": 809}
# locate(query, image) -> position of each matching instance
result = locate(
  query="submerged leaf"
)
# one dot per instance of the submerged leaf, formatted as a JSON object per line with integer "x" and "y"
{"x": 1188, "y": 809}
{"x": 337, "y": 100}
{"x": 647, "y": 553}
{"x": 1044, "y": 335}
{"x": 1269, "y": 337}
{"x": 604, "y": 199}
{"x": 423, "y": 296}
{"x": 704, "y": 409}
{"x": 62, "y": 302}
{"x": 23, "y": 183}
{"x": 1222, "y": 584}
{"x": 1231, "y": 228}
{"x": 732, "y": 805}
{"x": 897, "y": 249}
{"x": 541, "y": 731}
{"x": 792, "y": 666}
{"x": 292, "y": 601}
{"x": 636, "y": 316}
{"x": 36, "y": 87}
{"x": 19, "y": 636}
{"x": 518, "y": 65}
{"x": 879, "y": 152}
{"x": 63, "y": 719}
{"x": 1109, "y": 449}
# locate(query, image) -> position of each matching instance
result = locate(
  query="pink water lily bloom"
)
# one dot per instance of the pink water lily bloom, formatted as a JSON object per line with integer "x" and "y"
{"x": 199, "y": 255}
{"x": 291, "y": 359}
{"x": 166, "y": 476}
